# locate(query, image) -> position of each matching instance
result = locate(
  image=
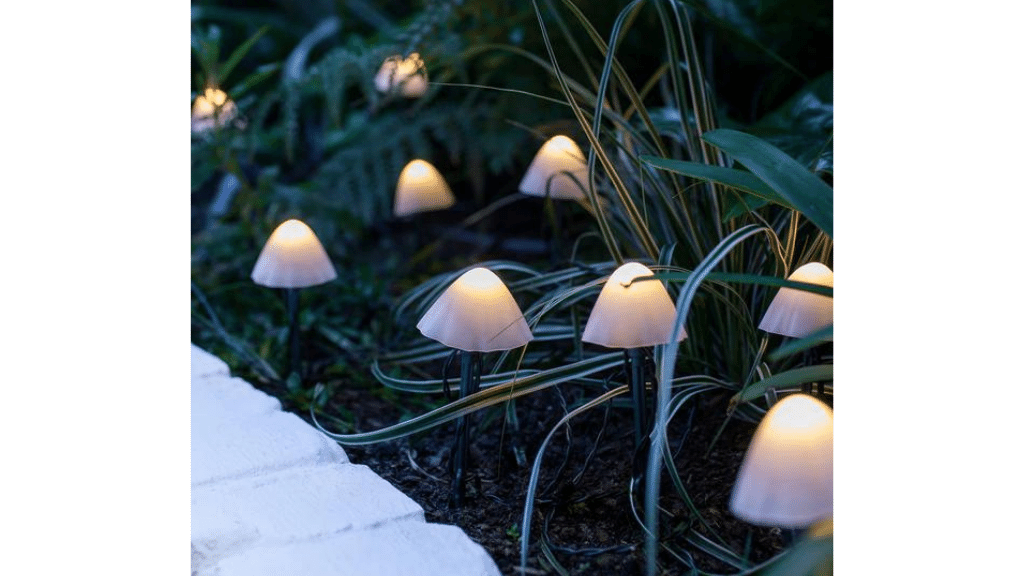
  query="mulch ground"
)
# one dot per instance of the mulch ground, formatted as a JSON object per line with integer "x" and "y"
{"x": 583, "y": 519}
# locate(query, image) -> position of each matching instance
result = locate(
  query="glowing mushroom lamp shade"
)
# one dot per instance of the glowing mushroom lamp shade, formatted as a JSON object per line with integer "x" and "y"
{"x": 407, "y": 76}
{"x": 632, "y": 315}
{"x": 798, "y": 313}
{"x": 546, "y": 175}
{"x": 475, "y": 314}
{"x": 212, "y": 109}
{"x": 421, "y": 188}
{"x": 293, "y": 258}
{"x": 785, "y": 479}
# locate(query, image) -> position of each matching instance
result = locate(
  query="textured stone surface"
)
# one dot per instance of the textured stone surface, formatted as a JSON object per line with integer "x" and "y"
{"x": 248, "y": 445}
{"x": 399, "y": 549}
{"x": 214, "y": 396}
{"x": 291, "y": 506}
{"x": 272, "y": 495}
{"x": 206, "y": 364}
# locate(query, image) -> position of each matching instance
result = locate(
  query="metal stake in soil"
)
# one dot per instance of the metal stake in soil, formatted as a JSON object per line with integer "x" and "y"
{"x": 637, "y": 387}
{"x": 469, "y": 384}
{"x": 292, "y": 294}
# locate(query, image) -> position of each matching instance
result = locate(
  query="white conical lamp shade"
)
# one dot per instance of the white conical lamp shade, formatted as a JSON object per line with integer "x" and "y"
{"x": 477, "y": 314}
{"x": 639, "y": 315}
{"x": 293, "y": 258}
{"x": 546, "y": 172}
{"x": 421, "y": 188}
{"x": 212, "y": 108}
{"x": 407, "y": 75}
{"x": 785, "y": 479}
{"x": 797, "y": 313}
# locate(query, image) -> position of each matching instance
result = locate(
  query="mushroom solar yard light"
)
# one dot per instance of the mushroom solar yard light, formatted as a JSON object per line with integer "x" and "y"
{"x": 475, "y": 314}
{"x": 785, "y": 479}
{"x": 798, "y": 313}
{"x": 293, "y": 258}
{"x": 212, "y": 109}
{"x": 632, "y": 315}
{"x": 421, "y": 188}
{"x": 407, "y": 76}
{"x": 546, "y": 175}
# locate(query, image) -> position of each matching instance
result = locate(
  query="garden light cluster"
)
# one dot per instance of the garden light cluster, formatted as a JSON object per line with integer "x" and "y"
{"x": 786, "y": 475}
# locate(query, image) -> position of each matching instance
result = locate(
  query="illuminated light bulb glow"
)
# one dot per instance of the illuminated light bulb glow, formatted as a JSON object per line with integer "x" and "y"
{"x": 785, "y": 479}
{"x": 212, "y": 109}
{"x": 547, "y": 172}
{"x": 797, "y": 313}
{"x": 293, "y": 258}
{"x": 421, "y": 188}
{"x": 631, "y": 315}
{"x": 407, "y": 75}
{"x": 476, "y": 313}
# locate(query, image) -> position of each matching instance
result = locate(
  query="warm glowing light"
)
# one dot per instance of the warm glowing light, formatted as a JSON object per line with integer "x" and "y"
{"x": 797, "y": 313}
{"x": 786, "y": 476}
{"x": 631, "y": 315}
{"x": 477, "y": 314}
{"x": 212, "y": 109}
{"x": 421, "y": 188}
{"x": 293, "y": 258}
{"x": 407, "y": 75}
{"x": 547, "y": 172}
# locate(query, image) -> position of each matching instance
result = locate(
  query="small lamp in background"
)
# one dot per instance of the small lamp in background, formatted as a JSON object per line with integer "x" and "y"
{"x": 797, "y": 313}
{"x": 785, "y": 479}
{"x": 407, "y": 76}
{"x": 546, "y": 174}
{"x": 475, "y": 314}
{"x": 632, "y": 315}
{"x": 212, "y": 109}
{"x": 421, "y": 188}
{"x": 293, "y": 258}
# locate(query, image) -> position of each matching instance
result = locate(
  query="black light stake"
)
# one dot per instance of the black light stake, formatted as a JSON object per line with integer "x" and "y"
{"x": 475, "y": 314}
{"x": 637, "y": 389}
{"x": 469, "y": 384}
{"x": 293, "y": 258}
{"x": 632, "y": 315}
{"x": 294, "y": 363}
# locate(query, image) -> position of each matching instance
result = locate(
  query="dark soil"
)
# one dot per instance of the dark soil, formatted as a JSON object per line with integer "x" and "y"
{"x": 583, "y": 513}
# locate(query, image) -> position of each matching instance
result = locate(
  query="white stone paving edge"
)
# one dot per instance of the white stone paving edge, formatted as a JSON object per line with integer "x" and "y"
{"x": 272, "y": 495}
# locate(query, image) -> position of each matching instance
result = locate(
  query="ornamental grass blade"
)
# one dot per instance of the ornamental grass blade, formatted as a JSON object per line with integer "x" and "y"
{"x": 666, "y": 370}
{"x": 487, "y": 397}
{"x": 742, "y": 279}
{"x": 531, "y": 491}
{"x": 786, "y": 379}
{"x": 795, "y": 346}
{"x": 437, "y": 386}
{"x": 791, "y": 180}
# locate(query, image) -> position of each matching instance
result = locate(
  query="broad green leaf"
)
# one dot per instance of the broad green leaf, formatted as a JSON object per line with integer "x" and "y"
{"x": 792, "y": 181}
{"x": 729, "y": 176}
